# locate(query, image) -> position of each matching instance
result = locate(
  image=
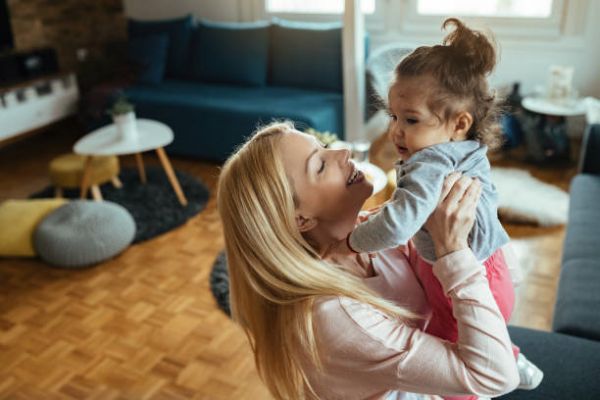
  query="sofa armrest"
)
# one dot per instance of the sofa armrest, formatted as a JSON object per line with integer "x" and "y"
{"x": 590, "y": 150}
{"x": 570, "y": 365}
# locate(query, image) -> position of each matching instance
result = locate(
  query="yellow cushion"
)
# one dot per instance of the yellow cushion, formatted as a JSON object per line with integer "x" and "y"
{"x": 67, "y": 170}
{"x": 18, "y": 220}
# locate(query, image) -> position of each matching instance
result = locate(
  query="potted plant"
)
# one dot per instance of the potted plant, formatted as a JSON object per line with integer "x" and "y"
{"x": 327, "y": 138}
{"x": 123, "y": 115}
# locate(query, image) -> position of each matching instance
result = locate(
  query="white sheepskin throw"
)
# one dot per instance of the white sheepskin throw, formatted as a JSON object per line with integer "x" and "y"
{"x": 523, "y": 198}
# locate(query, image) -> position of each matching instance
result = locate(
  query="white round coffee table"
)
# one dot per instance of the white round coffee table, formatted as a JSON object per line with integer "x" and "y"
{"x": 544, "y": 106}
{"x": 105, "y": 141}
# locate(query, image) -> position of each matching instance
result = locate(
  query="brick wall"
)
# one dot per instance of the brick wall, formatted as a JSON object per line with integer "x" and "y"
{"x": 68, "y": 26}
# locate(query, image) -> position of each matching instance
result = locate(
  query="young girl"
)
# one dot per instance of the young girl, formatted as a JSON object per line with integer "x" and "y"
{"x": 443, "y": 120}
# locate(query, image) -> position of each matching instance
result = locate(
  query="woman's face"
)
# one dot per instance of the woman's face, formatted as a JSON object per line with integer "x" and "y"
{"x": 329, "y": 189}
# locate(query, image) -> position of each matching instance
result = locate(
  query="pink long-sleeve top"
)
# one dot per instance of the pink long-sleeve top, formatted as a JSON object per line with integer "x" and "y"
{"x": 368, "y": 355}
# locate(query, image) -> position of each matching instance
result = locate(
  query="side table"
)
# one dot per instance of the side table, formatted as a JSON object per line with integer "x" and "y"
{"x": 152, "y": 135}
{"x": 545, "y": 127}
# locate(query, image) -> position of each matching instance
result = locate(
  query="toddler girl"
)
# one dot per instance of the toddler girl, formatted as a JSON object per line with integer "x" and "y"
{"x": 443, "y": 120}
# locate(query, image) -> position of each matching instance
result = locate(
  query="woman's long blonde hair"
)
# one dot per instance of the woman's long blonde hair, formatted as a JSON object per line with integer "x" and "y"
{"x": 274, "y": 274}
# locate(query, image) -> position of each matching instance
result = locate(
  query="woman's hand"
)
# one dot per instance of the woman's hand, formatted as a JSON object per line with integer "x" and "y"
{"x": 450, "y": 223}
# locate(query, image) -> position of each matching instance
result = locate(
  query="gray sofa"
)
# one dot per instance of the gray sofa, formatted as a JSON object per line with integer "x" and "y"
{"x": 570, "y": 355}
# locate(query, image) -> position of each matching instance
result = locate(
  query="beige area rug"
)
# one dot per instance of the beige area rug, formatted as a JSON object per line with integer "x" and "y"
{"x": 525, "y": 199}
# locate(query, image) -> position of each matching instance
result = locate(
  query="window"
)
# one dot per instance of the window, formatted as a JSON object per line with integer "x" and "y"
{"x": 314, "y": 6}
{"x": 508, "y": 19}
{"x": 487, "y": 8}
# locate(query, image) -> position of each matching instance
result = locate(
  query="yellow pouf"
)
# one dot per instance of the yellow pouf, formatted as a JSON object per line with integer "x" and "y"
{"x": 18, "y": 220}
{"x": 66, "y": 171}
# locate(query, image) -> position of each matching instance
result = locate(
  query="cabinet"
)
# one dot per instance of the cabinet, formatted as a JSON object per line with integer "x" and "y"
{"x": 31, "y": 105}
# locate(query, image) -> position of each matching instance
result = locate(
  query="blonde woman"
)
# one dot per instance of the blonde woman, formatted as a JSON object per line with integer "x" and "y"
{"x": 328, "y": 325}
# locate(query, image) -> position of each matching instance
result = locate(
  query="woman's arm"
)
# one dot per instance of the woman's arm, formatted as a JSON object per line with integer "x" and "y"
{"x": 377, "y": 353}
{"x": 374, "y": 353}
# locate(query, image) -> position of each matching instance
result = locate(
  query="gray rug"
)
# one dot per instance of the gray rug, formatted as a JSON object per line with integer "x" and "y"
{"x": 154, "y": 206}
{"x": 219, "y": 283}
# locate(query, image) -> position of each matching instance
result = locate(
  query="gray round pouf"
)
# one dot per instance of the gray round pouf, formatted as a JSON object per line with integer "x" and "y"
{"x": 82, "y": 233}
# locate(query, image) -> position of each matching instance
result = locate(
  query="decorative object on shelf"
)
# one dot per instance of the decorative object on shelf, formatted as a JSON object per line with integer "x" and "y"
{"x": 326, "y": 137}
{"x": 123, "y": 115}
{"x": 560, "y": 85}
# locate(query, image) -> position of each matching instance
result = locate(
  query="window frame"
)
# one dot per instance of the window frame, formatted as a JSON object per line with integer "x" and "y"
{"x": 374, "y": 22}
{"x": 509, "y": 27}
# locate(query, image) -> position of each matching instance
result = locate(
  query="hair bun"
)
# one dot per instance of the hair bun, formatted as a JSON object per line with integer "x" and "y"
{"x": 471, "y": 49}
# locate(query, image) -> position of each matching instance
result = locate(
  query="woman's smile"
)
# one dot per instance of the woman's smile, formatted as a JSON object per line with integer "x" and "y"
{"x": 356, "y": 175}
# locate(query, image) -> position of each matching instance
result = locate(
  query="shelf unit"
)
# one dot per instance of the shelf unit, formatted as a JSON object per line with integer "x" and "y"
{"x": 28, "y": 106}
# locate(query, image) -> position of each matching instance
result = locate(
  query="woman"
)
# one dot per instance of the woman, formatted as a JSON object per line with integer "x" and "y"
{"x": 318, "y": 324}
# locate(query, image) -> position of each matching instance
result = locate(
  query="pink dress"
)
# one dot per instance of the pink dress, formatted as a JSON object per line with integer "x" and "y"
{"x": 442, "y": 322}
{"x": 368, "y": 355}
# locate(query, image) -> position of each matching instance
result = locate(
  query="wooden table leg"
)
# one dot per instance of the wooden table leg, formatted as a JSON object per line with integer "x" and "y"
{"x": 85, "y": 179}
{"x": 140, "y": 164}
{"x": 117, "y": 182}
{"x": 166, "y": 164}
{"x": 96, "y": 193}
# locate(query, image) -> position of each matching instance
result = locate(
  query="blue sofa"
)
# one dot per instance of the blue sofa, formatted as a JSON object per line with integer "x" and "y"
{"x": 214, "y": 83}
{"x": 570, "y": 355}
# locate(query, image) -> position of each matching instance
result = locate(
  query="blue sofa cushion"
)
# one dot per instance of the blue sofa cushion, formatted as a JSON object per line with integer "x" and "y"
{"x": 210, "y": 120}
{"x": 581, "y": 241}
{"x": 578, "y": 299}
{"x": 590, "y": 160}
{"x": 570, "y": 365}
{"x": 179, "y": 31}
{"x": 231, "y": 53}
{"x": 149, "y": 56}
{"x": 307, "y": 55}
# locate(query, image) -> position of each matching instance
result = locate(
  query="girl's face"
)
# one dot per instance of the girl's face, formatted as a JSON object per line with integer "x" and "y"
{"x": 413, "y": 126}
{"x": 329, "y": 189}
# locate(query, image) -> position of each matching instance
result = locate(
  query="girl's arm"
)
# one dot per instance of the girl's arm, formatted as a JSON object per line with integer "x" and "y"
{"x": 415, "y": 197}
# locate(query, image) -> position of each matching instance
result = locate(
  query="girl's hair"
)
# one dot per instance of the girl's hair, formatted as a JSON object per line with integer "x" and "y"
{"x": 275, "y": 276}
{"x": 460, "y": 66}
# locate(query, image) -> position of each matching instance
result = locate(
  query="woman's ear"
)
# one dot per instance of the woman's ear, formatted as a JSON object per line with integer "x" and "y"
{"x": 305, "y": 224}
{"x": 462, "y": 124}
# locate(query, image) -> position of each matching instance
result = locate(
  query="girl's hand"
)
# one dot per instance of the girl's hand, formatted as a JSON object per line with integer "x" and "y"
{"x": 450, "y": 223}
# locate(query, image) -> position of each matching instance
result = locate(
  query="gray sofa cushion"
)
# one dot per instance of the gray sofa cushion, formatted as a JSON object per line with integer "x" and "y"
{"x": 583, "y": 238}
{"x": 577, "y": 309}
{"x": 570, "y": 365}
{"x": 83, "y": 233}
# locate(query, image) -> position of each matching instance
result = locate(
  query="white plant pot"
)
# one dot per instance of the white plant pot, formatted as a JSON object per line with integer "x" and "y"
{"x": 126, "y": 126}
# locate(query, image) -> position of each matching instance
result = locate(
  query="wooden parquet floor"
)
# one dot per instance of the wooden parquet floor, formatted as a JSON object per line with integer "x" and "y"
{"x": 144, "y": 325}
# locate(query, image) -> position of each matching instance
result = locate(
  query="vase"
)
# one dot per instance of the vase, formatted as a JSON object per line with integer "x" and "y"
{"x": 126, "y": 126}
